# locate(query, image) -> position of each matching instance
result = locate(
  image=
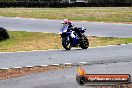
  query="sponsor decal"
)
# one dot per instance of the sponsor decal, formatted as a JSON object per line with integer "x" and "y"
{"x": 101, "y": 79}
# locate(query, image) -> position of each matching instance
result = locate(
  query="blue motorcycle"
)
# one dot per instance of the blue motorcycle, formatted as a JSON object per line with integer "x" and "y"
{"x": 80, "y": 39}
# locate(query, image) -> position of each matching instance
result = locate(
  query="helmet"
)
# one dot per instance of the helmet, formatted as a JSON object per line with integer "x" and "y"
{"x": 66, "y": 21}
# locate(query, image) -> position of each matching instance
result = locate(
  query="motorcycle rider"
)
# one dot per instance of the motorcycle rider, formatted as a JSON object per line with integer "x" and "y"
{"x": 72, "y": 28}
{"x": 67, "y": 23}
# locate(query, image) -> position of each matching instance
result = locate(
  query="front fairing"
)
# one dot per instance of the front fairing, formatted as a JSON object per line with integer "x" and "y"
{"x": 63, "y": 31}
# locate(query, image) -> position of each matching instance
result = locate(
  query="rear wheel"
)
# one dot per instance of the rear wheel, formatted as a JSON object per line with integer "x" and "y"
{"x": 84, "y": 44}
{"x": 66, "y": 43}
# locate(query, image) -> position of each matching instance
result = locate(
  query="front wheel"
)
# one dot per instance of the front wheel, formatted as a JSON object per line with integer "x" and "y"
{"x": 84, "y": 44}
{"x": 66, "y": 43}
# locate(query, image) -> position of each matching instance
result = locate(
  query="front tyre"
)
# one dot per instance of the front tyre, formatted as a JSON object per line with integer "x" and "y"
{"x": 84, "y": 44}
{"x": 66, "y": 43}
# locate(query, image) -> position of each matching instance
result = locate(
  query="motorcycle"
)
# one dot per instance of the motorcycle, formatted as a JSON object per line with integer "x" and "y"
{"x": 80, "y": 39}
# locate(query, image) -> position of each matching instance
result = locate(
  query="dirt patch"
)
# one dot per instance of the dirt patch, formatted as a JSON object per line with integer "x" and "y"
{"x": 17, "y": 72}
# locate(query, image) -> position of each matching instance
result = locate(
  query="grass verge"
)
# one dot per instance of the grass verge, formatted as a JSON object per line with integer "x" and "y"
{"x": 106, "y": 14}
{"x": 27, "y": 41}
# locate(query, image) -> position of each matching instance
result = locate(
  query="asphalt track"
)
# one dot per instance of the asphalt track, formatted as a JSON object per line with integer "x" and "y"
{"x": 52, "y": 26}
{"x": 64, "y": 78}
{"x": 111, "y": 59}
{"x": 91, "y": 55}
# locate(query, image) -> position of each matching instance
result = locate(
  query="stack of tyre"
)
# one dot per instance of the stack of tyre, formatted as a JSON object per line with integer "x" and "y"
{"x": 3, "y": 34}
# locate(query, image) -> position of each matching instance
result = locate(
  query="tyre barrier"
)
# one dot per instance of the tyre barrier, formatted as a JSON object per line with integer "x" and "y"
{"x": 3, "y": 34}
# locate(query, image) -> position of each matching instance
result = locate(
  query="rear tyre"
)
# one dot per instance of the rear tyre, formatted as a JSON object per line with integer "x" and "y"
{"x": 84, "y": 44}
{"x": 66, "y": 43}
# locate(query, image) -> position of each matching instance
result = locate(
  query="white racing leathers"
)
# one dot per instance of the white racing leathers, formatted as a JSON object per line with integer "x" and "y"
{"x": 72, "y": 34}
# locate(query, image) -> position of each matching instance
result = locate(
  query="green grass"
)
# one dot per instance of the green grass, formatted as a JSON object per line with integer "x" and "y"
{"x": 27, "y": 41}
{"x": 103, "y": 41}
{"x": 107, "y": 14}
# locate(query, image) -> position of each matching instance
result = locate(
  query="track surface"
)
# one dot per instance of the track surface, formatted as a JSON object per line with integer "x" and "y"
{"x": 43, "y": 25}
{"x": 62, "y": 56}
{"x": 64, "y": 78}
{"x": 112, "y": 59}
